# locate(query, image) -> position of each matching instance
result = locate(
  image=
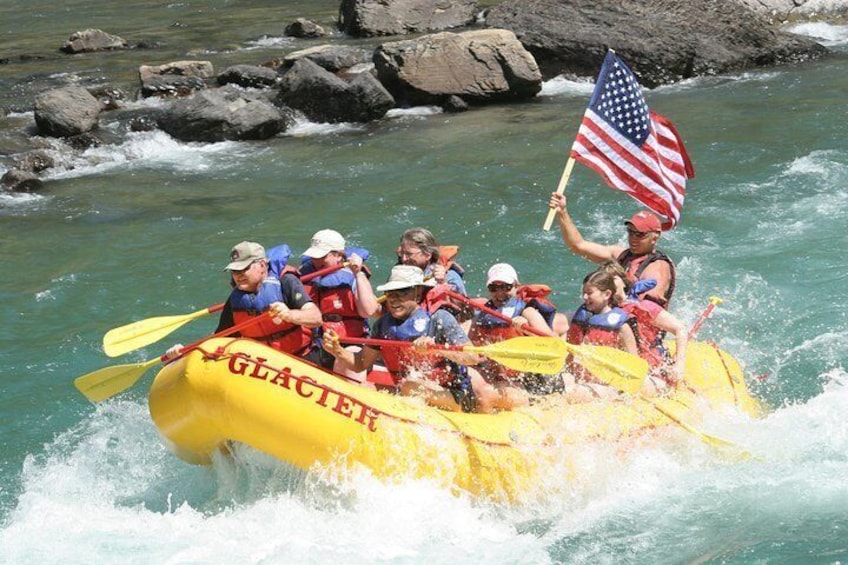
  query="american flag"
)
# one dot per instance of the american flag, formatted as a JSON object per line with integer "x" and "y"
{"x": 635, "y": 150}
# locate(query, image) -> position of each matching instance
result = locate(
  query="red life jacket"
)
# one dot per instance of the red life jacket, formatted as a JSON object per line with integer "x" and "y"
{"x": 648, "y": 336}
{"x": 492, "y": 329}
{"x": 333, "y": 294}
{"x": 286, "y": 337}
{"x": 400, "y": 360}
{"x": 535, "y": 295}
{"x": 635, "y": 265}
{"x": 596, "y": 329}
{"x": 593, "y": 329}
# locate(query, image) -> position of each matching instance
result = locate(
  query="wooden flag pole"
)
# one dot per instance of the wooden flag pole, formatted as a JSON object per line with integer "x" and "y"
{"x": 566, "y": 173}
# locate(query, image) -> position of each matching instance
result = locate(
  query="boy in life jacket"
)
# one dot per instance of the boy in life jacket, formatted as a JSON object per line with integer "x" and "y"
{"x": 598, "y": 321}
{"x": 652, "y": 321}
{"x": 440, "y": 377}
{"x": 345, "y": 296}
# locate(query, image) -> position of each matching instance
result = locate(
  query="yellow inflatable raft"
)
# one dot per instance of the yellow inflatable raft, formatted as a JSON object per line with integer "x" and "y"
{"x": 240, "y": 390}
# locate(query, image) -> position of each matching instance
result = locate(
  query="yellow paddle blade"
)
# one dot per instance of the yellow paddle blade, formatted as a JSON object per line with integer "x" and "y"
{"x": 130, "y": 337}
{"x": 617, "y": 368}
{"x": 528, "y": 354}
{"x": 728, "y": 448}
{"x": 109, "y": 381}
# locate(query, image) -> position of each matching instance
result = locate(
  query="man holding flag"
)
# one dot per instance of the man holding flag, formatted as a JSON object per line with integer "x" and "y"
{"x": 635, "y": 151}
{"x": 641, "y": 258}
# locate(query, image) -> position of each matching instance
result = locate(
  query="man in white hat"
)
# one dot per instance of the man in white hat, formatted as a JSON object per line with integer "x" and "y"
{"x": 446, "y": 382}
{"x": 345, "y": 296}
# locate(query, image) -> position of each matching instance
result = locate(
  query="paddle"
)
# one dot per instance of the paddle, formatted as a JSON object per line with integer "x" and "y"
{"x": 527, "y": 354}
{"x": 714, "y": 301}
{"x": 109, "y": 381}
{"x": 136, "y": 335}
{"x": 609, "y": 364}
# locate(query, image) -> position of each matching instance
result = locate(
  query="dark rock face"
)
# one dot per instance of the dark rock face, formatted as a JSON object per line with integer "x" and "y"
{"x": 17, "y": 180}
{"x": 65, "y": 112}
{"x": 663, "y": 41}
{"x": 249, "y": 76}
{"x": 363, "y": 18}
{"x": 324, "y": 97}
{"x": 334, "y": 58}
{"x": 222, "y": 114}
{"x": 174, "y": 80}
{"x": 91, "y": 40}
{"x": 34, "y": 161}
{"x": 478, "y": 66}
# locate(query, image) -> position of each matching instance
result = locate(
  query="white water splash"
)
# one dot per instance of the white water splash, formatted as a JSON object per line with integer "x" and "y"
{"x": 827, "y": 34}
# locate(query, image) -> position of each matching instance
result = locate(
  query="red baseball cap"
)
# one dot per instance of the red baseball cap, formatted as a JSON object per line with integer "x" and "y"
{"x": 644, "y": 221}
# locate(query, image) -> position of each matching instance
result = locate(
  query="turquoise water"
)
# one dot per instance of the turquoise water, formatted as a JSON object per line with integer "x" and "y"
{"x": 126, "y": 232}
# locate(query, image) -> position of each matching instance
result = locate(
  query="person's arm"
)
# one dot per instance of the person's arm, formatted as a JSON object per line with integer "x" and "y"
{"x": 627, "y": 340}
{"x": 454, "y": 279}
{"x": 668, "y": 322}
{"x": 660, "y": 271}
{"x": 366, "y": 302}
{"x": 536, "y": 321}
{"x": 225, "y": 320}
{"x": 592, "y": 251}
{"x": 296, "y": 307}
{"x": 354, "y": 361}
{"x": 445, "y": 329}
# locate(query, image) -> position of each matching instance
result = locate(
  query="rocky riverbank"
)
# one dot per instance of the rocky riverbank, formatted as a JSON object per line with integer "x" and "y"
{"x": 495, "y": 55}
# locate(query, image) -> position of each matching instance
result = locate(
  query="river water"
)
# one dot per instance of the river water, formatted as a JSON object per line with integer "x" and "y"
{"x": 141, "y": 229}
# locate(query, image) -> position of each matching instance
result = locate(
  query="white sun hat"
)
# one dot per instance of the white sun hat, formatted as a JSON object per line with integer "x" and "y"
{"x": 405, "y": 276}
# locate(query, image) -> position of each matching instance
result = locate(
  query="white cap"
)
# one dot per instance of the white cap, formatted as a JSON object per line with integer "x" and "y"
{"x": 323, "y": 242}
{"x": 405, "y": 276}
{"x": 501, "y": 272}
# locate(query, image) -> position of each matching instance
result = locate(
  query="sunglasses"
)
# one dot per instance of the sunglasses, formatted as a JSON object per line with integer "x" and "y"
{"x": 400, "y": 293}
{"x": 494, "y": 287}
{"x": 638, "y": 234}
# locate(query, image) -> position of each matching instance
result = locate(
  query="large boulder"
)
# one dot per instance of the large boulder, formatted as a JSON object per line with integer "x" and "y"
{"x": 324, "y": 97}
{"x": 67, "y": 111}
{"x": 663, "y": 41}
{"x": 222, "y": 114}
{"x": 363, "y": 18}
{"x": 478, "y": 66}
{"x": 91, "y": 40}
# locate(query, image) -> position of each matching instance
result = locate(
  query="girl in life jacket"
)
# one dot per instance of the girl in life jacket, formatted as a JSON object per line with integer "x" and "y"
{"x": 438, "y": 376}
{"x": 263, "y": 283}
{"x": 345, "y": 296}
{"x": 599, "y": 321}
{"x": 652, "y": 322}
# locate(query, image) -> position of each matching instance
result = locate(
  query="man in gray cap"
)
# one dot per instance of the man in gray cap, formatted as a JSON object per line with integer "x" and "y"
{"x": 256, "y": 290}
